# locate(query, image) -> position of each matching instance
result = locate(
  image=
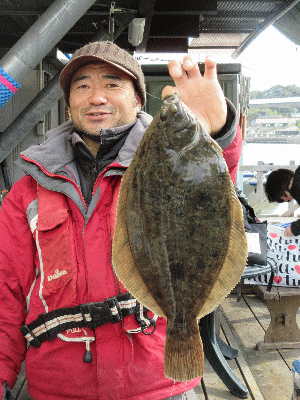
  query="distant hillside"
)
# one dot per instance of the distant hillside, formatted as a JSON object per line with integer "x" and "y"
{"x": 276, "y": 92}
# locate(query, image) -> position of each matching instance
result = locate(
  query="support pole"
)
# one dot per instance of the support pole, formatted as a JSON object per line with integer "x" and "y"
{"x": 37, "y": 42}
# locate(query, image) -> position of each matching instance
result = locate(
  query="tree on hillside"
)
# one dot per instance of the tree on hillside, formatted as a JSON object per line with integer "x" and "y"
{"x": 271, "y": 112}
{"x": 277, "y": 91}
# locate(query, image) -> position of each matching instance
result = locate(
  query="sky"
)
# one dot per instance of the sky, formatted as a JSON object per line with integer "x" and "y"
{"x": 271, "y": 59}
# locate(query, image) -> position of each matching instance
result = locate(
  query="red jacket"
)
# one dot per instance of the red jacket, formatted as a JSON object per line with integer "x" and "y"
{"x": 39, "y": 275}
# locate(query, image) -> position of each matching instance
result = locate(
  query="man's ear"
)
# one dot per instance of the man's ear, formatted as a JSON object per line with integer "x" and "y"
{"x": 138, "y": 102}
{"x": 68, "y": 113}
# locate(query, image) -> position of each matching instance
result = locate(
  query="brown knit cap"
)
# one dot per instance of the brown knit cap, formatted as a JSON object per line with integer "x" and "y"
{"x": 103, "y": 51}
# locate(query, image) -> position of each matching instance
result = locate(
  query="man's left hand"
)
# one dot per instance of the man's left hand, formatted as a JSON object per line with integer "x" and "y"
{"x": 288, "y": 231}
{"x": 201, "y": 94}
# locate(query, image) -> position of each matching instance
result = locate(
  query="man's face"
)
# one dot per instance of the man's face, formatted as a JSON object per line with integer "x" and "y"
{"x": 286, "y": 197}
{"x": 102, "y": 96}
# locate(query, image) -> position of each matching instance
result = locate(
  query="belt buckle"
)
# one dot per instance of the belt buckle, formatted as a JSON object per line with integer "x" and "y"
{"x": 86, "y": 316}
{"x": 51, "y": 333}
{"x": 114, "y": 306}
{"x": 32, "y": 339}
{"x": 96, "y": 314}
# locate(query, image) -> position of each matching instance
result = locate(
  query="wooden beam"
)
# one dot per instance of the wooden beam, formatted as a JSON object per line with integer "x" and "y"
{"x": 166, "y": 45}
{"x": 192, "y": 6}
{"x": 174, "y": 26}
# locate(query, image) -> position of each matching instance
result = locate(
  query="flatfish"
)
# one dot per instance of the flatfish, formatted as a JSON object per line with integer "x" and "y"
{"x": 179, "y": 244}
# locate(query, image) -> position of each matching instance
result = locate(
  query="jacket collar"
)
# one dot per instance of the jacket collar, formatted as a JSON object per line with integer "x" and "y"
{"x": 56, "y": 152}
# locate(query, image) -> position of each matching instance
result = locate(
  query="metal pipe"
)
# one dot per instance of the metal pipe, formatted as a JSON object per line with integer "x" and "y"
{"x": 37, "y": 42}
{"x": 29, "y": 117}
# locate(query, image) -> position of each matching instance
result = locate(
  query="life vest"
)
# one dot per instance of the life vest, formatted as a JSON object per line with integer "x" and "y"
{"x": 54, "y": 235}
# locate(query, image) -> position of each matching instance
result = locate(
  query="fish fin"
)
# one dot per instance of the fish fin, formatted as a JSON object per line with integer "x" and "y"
{"x": 122, "y": 257}
{"x": 212, "y": 141}
{"x": 184, "y": 359}
{"x": 235, "y": 260}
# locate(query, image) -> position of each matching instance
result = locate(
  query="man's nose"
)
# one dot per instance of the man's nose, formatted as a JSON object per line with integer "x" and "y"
{"x": 97, "y": 96}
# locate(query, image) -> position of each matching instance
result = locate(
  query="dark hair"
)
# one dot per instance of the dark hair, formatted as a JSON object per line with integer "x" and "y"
{"x": 277, "y": 184}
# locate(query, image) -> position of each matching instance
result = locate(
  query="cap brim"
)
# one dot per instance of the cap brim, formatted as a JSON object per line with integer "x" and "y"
{"x": 74, "y": 65}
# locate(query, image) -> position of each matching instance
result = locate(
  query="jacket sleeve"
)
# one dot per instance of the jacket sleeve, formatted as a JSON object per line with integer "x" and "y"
{"x": 295, "y": 227}
{"x": 17, "y": 273}
{"x": 232, "y": 153}
{"x": 230, "y": 140}
{"x": 227, "y": 134}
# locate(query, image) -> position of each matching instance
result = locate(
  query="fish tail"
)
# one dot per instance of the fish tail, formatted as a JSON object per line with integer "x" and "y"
{"x": 184, "y": 357}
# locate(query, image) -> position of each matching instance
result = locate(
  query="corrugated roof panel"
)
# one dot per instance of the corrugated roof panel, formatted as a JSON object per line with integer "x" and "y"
{"x": 224, "y": 22}
{"x": 225, "y": 43}
{"x": 228, "y": 24}
{"x": 248, "y": 6}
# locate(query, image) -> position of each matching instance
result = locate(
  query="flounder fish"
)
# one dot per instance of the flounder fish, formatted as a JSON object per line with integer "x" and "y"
{"x": 179, "y": 244}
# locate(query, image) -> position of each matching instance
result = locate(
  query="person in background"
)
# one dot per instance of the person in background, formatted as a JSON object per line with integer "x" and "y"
{"x": 85, "y": 334}
{"x": 283, "y": 185}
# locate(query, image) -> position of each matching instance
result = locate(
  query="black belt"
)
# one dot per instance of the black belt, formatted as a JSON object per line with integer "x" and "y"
{"x": 90, "y": 315}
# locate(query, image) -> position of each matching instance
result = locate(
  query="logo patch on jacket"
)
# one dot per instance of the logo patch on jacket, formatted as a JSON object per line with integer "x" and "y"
{"x": 56, "y": 275}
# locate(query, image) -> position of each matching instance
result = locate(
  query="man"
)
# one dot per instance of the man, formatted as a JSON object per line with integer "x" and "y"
{"x": 283, "y": 185}
{"x": 56, "y": 231}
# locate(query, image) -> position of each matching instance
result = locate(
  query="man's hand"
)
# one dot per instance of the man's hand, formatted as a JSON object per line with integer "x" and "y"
{"x": 288, "y": 231}
{"x": 201, "y": 94}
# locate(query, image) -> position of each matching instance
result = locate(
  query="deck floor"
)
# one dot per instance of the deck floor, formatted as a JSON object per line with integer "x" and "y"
{"x": 266, "y": 373}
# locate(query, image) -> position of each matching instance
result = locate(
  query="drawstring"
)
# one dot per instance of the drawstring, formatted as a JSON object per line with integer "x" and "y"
{"x": 88, "y": 355}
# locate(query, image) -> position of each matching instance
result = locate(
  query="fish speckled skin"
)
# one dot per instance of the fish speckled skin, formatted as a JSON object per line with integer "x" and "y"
{"x": 179, "y": 231}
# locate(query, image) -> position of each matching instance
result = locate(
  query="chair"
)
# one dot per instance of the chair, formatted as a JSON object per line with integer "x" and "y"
{"x": 251, "y": 271}
{"x": 212, "y": 346}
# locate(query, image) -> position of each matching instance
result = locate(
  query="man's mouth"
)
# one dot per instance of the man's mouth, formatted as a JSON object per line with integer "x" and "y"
{"x": 97, "y": 114}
